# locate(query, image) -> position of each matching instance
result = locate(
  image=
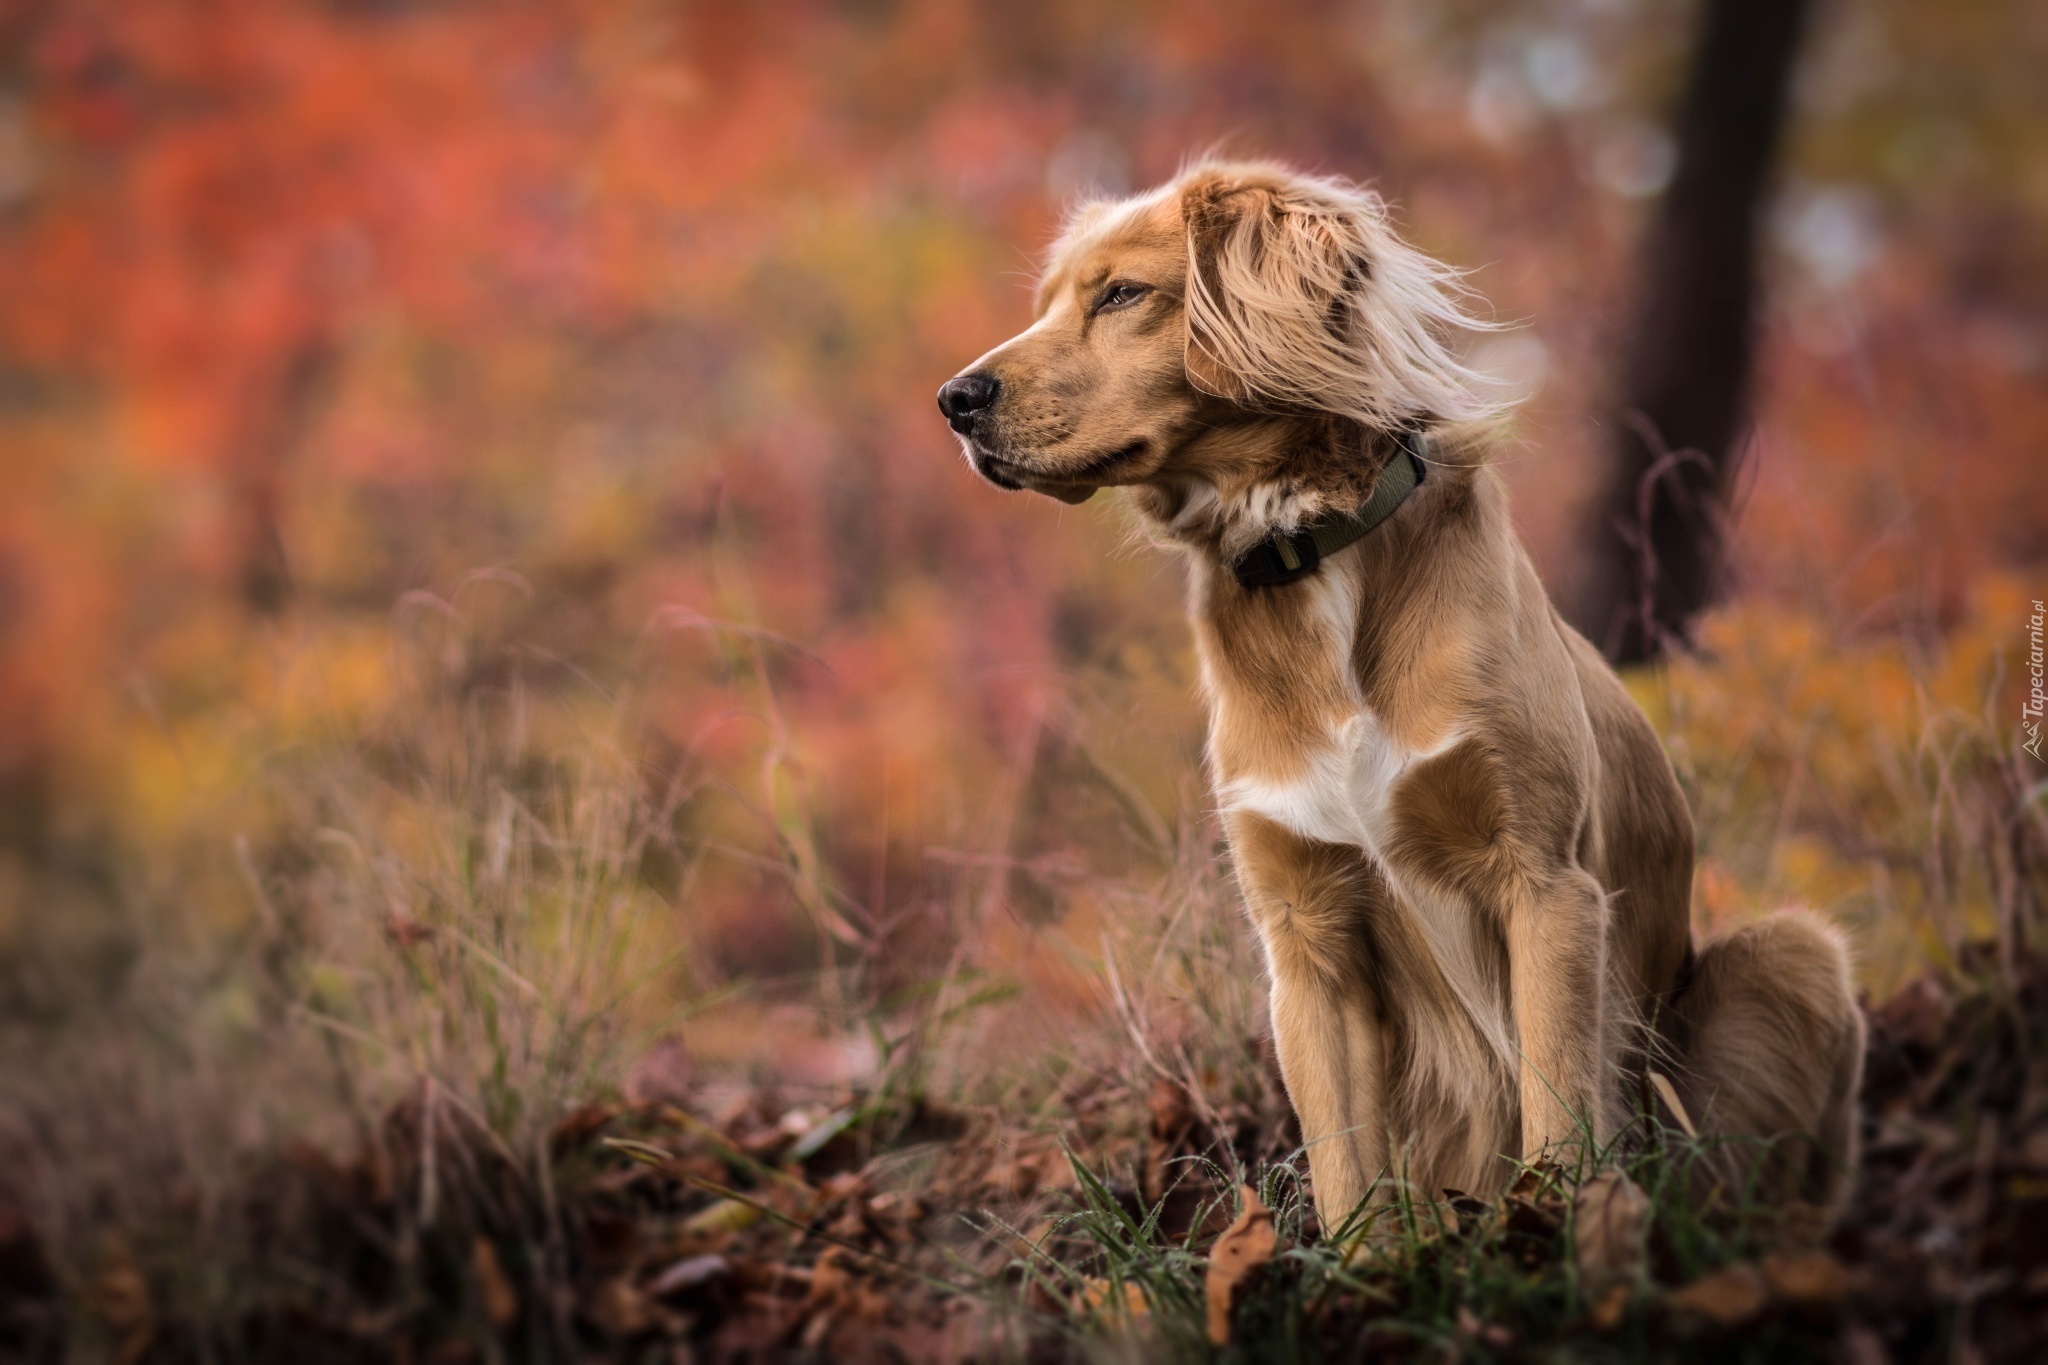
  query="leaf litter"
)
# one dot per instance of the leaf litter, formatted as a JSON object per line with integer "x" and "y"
{"x": 860, "y": 1234}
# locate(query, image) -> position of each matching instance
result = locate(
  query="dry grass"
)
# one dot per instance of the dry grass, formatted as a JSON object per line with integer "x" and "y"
{"x": 430, "y": 1087}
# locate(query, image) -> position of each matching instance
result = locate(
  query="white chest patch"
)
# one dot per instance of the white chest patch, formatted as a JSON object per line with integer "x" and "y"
{"x": 1344, "y": 795}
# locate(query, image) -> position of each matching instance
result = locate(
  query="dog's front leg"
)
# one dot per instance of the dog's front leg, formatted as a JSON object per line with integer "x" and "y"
{"x": 1557, "y": 939}
{"x": 1310, "y": 901}
{"x": 1331, "y": 1059}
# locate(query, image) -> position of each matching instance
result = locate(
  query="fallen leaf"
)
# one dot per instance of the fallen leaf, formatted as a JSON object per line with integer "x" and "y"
{"x": 1018, "y": 1178}
{"x": 1669, "y": 1094}
{"x": 1806, "y": 1279}
{"x": 899, "y": 1214}
{"x": 896, "y": 1203}
{"x": 119, "y": 1294}
{"x": 1606, "y": 1315}
{"x": 1172, "y": 1113}
{"x": 1170, "y": 1107}
{"x": 831, "y": 1281}
{"x": 617, "y": 1309}
{"x": 1729, "y": 1297}
{"x": 1033, "y": 1240}
{"x": 1059, "y": 1175}
{"x": 726, "y": 1215}
{"x": 500, "y": 1299}
{"x": 688, "y": 1273}
{"x": 852, "y": 1224}
{"x": 1609, "y": 1217}
{"x": 845, "y": 1185}
{"x": 812, "y": 1339}
{"x": 1244, "y": 1246}
{"x": 775, "y": 1277}
{"x": 1096, "y": 1293}
{"x": 1538, "y": 1182}
{"x": 813, "y": 1137}
{"x": 1475, "y": 1216}
{"x": 870, "y": 1305}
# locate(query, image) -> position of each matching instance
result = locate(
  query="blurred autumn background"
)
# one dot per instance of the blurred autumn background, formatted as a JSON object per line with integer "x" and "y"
{"x": 488, "y": 609}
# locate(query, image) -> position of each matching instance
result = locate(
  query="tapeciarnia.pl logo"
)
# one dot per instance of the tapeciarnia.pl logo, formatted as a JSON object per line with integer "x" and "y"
{"x": 2030, "y": 714}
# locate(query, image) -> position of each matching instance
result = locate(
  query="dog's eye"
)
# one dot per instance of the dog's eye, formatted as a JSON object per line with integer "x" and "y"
{"x": 1121, "y": 295}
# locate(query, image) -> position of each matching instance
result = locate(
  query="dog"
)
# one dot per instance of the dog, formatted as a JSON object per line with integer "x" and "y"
{"x": 1464, "y": 851}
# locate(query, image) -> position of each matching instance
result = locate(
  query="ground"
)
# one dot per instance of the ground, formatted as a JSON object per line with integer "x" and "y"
{"x": 896, "y": 1229}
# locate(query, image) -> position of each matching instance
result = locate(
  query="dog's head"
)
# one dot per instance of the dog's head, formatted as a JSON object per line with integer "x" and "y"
{"x": 1235, "y": 294}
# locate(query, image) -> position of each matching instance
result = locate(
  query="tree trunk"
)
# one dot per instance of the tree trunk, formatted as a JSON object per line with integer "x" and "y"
{"x": 259, "y": 468}
{"x": 1680, "y": 426}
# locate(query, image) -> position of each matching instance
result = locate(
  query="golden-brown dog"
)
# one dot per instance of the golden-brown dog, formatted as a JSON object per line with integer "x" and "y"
{"x": 1466, "y": 856}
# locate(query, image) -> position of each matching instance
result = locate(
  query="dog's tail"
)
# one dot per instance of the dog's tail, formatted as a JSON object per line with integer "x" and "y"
{"x": 1769, "y": 1045}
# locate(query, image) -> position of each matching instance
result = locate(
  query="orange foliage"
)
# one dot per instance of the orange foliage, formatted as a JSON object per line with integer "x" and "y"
{"x": 310, "y": 305}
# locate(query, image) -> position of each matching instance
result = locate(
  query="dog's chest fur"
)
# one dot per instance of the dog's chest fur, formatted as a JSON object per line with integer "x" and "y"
{"x": 1292, "y": 737}
{"x": 1344, "y": 793}
{"x": 1294, "y": 740}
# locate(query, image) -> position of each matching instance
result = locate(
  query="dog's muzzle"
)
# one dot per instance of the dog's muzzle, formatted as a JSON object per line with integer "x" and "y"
{"x": 964, "y": 398}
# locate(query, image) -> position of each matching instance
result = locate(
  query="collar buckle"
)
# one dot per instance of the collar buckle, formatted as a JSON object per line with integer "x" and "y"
{"x": 1278, "y": 560}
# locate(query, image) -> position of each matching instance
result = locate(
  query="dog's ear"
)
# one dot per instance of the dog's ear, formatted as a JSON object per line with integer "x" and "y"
{"x": 1241, "y": 296}
{"x": 1301, "y": 295}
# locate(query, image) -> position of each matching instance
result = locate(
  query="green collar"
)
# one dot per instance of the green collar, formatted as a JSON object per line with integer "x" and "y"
{"x": 1281, "y": 559}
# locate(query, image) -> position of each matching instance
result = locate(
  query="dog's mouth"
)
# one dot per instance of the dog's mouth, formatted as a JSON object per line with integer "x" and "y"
{"x": 1068, "y": 485}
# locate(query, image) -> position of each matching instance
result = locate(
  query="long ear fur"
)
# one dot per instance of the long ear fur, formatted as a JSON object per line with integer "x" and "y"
{"x": 1300, "y": 294}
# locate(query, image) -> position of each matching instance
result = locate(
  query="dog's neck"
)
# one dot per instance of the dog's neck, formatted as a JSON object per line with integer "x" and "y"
{"x": 1237, "y": 484}
{"x": 1283, "y": 665}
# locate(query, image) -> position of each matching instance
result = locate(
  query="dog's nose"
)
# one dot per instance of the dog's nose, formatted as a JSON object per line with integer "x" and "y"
{"x": 966, "y": 397}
